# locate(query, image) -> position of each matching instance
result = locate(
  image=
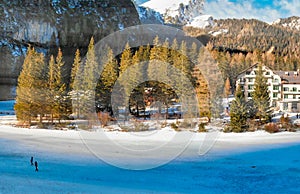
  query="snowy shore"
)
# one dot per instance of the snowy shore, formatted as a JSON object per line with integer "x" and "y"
{"x": 248, "y": 162}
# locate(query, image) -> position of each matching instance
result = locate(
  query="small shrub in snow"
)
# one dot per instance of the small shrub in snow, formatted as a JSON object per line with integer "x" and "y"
{"x": 42, "y": 126}
{"x": 104, "y": 118}
{"x": 271, "y": 128}
{"x": 175, "y": 126}
{"x": 163, "y": 124}
{"x": 227, "y": 129}
{"x": 253, "y": 125}
{"x": 285, "y": 123}
{"x": 201, "y": 127}
{"x": 136, "y": 126}
{"x": 140, "y": 126}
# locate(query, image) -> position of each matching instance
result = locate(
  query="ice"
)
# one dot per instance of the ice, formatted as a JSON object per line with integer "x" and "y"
{"x": 256, "y": 162}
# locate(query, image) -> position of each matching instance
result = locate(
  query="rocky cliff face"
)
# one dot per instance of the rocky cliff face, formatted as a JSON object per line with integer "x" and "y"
{"x": 49, "y": 24}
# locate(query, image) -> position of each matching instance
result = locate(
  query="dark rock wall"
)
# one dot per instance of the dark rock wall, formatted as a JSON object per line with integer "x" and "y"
{"x": 49, "y": 24}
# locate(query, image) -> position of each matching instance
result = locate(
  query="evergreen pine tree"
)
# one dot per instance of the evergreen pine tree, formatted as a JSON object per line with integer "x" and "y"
{"x": 261, "y": 96}
{"x": 238, "y": 112}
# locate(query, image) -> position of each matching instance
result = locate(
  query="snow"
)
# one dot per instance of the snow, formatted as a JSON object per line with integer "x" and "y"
{"x": 217, "y": 33}
{"x": 202, "y": 21}
{"x": 252, "y": 162}
{"x": 247, "y": 162}
{"x": 170, "y": 6}
{"x": 294, "y": 24}
{"x": 276, "y": 22}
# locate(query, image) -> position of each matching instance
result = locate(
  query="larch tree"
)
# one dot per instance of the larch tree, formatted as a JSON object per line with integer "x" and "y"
{"x": 76, "y": 89}
{"x": 31, "y": 89}
{"x": 61, "y": 93}
{"x": 126, "y": 62}
{"x": 89, "y": 80}
{"x": 51, "y": 88}
{"x": 136, "y": 98}
{"x": 39, "y": 70}
{"x": 227, "y": 88}
{"x": 74, "y": 71}
{"x": 154, "y": 58}
{"x": 107, "y": 80}
{"x": 57, "y": 88}
{"x": 158, "y": 71}
{"x": 126, "y": 58}
{"x": 24, "y": 95}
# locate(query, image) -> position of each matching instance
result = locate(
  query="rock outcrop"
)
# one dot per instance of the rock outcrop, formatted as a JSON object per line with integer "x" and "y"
{"x": 49, "y": 24}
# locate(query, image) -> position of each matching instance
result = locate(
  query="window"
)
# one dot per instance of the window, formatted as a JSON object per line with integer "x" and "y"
{"x": 275, "y": 95}
{"x": 275, "y": 87}
{"x": 285, "y": 89}
{"x": 268, "y": 73}
{"x": 124, "y": 10}
{"x": 294, "y": 105}
{"x": 250, "y": 87}
{"x": 249, "y": 95}
{"x": 294, "y": 89}
{"x": 286, "y": 96}
{"x": 275, "y": 80}
{"x": 285, "y": 106}
{"x": 250, "y": 79}
{"x": 294, "y": 96}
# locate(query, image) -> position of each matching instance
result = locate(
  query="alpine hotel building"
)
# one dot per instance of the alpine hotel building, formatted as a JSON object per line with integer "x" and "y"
{"x": 284, "y": 87}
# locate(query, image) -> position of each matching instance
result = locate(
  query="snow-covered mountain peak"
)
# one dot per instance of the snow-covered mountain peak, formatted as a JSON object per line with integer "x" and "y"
{"x": 292, "y": 23}
{"x": 176, "y": 11}
{"x": 168, "y": 6}
{"x": 202, "y": 21}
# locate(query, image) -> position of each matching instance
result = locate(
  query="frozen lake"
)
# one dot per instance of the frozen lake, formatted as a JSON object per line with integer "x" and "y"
{"x": 273, "y": 169}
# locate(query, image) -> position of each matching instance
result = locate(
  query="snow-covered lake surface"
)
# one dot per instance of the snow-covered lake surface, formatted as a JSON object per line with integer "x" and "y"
{"x": 237, "y": 163}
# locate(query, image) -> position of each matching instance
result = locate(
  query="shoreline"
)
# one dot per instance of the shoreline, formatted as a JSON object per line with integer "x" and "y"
{"x": 248, "y": 162}
{"x": 71, "y": 143}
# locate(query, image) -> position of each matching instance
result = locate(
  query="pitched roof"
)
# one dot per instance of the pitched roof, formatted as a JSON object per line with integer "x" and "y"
{"x": 248, "y": 68}
{"x": 292, "y": 77}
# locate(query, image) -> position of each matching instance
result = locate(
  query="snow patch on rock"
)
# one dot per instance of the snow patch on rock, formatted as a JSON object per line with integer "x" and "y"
{"x": 202, "y": 21}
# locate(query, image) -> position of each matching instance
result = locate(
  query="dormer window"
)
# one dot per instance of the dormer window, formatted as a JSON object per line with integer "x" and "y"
{"x": 286, "y": 73}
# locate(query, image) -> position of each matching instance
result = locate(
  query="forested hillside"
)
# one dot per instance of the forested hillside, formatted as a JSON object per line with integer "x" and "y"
{"x": 236, "y": 44}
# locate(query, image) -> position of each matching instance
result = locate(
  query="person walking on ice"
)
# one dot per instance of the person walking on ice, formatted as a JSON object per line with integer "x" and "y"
{"x": 36, "y": 166}
{"x": 31, "y": 161}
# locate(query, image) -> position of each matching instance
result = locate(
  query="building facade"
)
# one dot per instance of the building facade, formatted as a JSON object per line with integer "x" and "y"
{"x": 284, "y": 87}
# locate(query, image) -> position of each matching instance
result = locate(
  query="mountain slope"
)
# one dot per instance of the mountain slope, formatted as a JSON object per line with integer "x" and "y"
{"x": 50, "y": 24}
{"x": 176, "y": 11}
{"x": 292, "y": 23}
